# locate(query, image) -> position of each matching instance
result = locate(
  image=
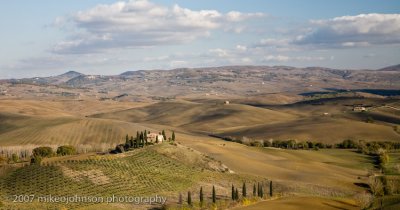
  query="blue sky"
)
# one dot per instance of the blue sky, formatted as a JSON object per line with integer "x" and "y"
{"x": 45, "y": 37}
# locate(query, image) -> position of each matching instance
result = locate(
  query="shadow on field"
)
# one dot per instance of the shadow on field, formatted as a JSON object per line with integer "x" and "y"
{"x": 363, "y": 185}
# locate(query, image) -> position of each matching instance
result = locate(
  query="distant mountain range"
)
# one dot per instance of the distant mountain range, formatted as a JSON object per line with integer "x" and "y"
{"x": 229, "y": 81}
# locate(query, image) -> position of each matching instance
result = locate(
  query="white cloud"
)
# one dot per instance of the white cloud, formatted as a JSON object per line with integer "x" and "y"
{"x": 222, "y": 53}
{"x": 241, "y": 47}
{"x": 158, "y": 58}
{"x": 353, "y": 31}
{"x": 274, "y": 42}
{"x": 284, "y": 58}
{"x": 141, "y": 23}
{"x": 277, "y": 58}
{"x": 235, "y": 16}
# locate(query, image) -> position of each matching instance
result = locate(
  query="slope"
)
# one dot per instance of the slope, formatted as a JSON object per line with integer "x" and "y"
{"x": 210, "y": 117}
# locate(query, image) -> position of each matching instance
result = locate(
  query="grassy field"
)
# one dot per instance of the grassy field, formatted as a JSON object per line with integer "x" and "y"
{"x": 199, "y": 116}
{"x": 327, "y": 172}
{"x": 293, "y": 203}
{"x": 298, "y": 121}
{"x": 315, "y": 129}
{"x": 68, "y": 122}
{"x": 20, "y": 130}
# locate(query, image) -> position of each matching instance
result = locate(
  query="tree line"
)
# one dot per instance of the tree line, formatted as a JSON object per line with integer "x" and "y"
{"x": 294, "y": 144}
{"x": 257, "y": 192}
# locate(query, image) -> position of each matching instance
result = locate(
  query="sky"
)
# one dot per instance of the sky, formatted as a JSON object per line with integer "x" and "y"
{"x": 47, "y": 37}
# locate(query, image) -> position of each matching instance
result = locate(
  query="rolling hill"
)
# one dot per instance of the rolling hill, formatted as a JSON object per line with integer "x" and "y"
{"x": 208, "y": 117}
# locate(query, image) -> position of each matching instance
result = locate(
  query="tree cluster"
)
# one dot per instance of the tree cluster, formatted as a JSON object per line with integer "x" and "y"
{"x": 141, "y": 140}
{"x": 39, "y": 153}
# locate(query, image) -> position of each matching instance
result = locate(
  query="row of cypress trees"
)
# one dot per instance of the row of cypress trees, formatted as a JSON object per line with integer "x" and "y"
{"x": 257, "y": 192}
{"x": 201, "y": 197}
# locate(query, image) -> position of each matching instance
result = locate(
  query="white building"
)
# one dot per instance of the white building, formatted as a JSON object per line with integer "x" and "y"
{"x": 153, "y": 137}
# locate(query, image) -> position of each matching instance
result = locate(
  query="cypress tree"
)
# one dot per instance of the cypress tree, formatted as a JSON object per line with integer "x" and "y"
{"x": 145, "y": 136}
{"x": 141, "y": 139}
{"x": 258, "y": 189}
{"x": 233, "y": 192}
{"x": 180, "y": 198}
{"x": 189, "y": 198}
{"x": 261, "y": 192}
{"x": 127, "y": 144}
{"x": 214, "y": 197}
{"x": 173, "y": 136}
{"x": 237, "y": 194}
{"x": 270, "y": 189}
{"x": 164, "y": 136}
{"x": 254, "y": 190}
{"x": 135, "y": 143}
{"x": 201, "y": 196}
{"x": 244, "y": 193}
{"x": 131, "y": 142}
{"x": 157, "y": 139}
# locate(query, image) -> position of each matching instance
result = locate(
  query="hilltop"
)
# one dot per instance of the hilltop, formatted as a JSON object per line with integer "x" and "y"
{"x": 391, "y": 68}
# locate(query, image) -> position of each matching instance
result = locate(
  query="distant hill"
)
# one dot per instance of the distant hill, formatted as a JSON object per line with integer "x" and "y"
{"x": 130, "y": 73}
{"x": 71, "y": 74}
{"x": 224, "y": 82}
{"x": 391, "y": 68}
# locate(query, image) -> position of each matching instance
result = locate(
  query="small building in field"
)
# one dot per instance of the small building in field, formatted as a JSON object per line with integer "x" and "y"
{"x": 359, "y": 108}
{"x": 153, "y": 137}
{"x": 226, "y": 102}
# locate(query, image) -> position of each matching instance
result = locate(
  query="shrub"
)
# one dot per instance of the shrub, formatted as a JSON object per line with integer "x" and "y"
{"x": 364, "y": 200}
{"x": 15, "y": 158}
{"x": 383, "y": 159}
{"x": 120, "y": 148}
{"x": 392, "y": 185}
{"x": 36, "y": 160}
{"x": 267, "y": 144}
{"x": 376, "y": 186}
{"x": 256, "y": 144}
{"x": 347, "y": 144}
{"x": 43, "y": 152}
{"x": 3, "y": 159}
{"x": 66, "y": 150}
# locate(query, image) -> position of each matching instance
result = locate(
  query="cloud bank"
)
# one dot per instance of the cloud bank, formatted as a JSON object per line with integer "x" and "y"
{"x": 141, "y": 23}
{"x": 353, "y": 31}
